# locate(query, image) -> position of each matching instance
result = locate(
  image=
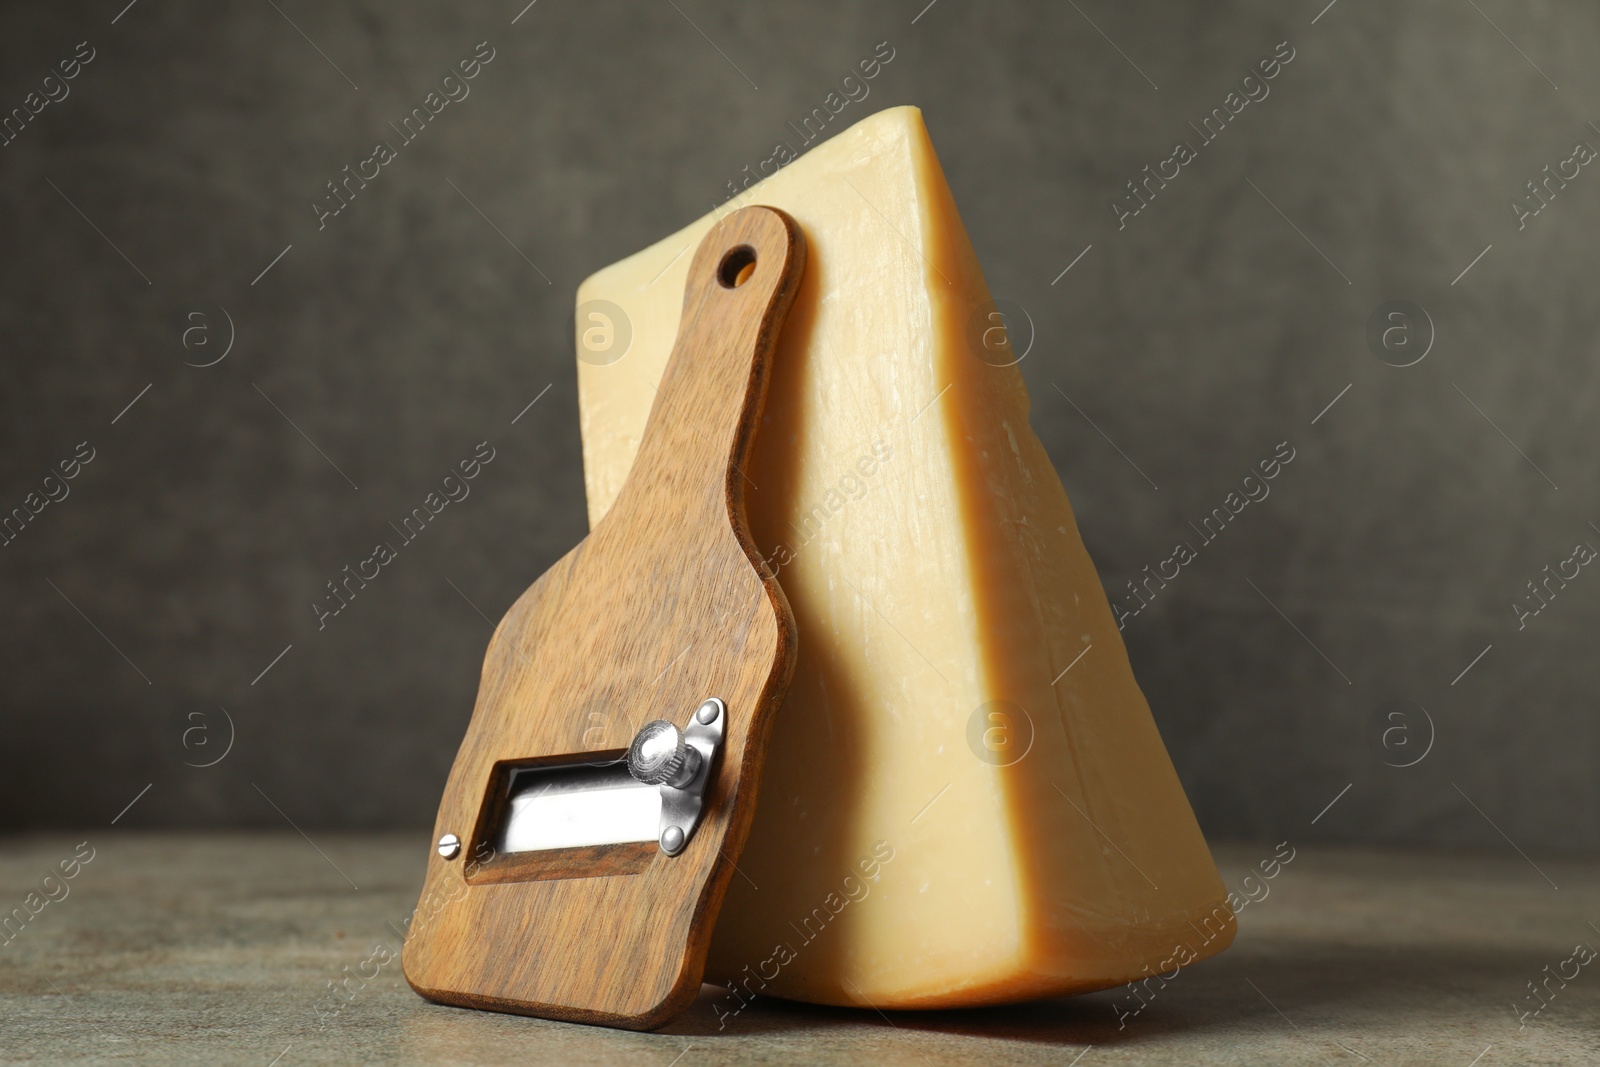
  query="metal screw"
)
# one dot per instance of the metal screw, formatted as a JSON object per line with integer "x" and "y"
{"x": 659, "y": 755}
{"x": 449, "y": 846}
{"x": 709, "y": 711}
{"x": 672, "y": 840}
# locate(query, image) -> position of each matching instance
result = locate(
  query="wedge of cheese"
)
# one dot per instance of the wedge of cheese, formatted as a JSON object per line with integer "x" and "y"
{"x": 966, "y": 800}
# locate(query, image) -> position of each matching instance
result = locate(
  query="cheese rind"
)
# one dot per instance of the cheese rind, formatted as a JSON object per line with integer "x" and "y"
{"x": 965, "y": 800}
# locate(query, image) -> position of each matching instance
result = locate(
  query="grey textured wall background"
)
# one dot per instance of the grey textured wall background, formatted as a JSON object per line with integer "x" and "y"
{"x": 1220, "y": 321}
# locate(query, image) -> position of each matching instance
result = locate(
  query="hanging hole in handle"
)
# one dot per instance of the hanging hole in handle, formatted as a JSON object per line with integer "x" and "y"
{"x": 736, "y": 267}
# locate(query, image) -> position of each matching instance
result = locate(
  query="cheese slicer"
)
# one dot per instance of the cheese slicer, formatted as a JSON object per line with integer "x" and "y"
{"x": 607, "y": 779}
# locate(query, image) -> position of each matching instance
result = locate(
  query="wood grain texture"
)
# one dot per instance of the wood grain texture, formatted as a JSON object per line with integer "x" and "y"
{"x": 665, "y": 603}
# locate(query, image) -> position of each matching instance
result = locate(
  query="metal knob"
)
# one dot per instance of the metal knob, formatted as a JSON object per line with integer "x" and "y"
{"x": 659, "y": 755}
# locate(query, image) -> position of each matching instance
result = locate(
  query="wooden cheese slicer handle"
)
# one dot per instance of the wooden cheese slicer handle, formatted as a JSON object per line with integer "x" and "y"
{"x": 740, "y": 286}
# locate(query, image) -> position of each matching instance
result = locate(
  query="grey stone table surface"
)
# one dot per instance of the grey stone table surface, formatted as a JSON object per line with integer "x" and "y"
{"x": 224, "y": 949}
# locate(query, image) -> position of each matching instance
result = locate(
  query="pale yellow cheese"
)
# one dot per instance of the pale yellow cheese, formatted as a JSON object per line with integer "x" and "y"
{"x": 937, "y": 576}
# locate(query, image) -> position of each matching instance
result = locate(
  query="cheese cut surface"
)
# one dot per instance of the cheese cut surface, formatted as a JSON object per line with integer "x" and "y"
{"x": 966, "y": 800}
